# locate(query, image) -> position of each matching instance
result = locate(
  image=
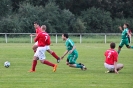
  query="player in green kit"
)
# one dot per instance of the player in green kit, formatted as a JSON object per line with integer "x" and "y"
{"x": 124, "y": 39}
{"x": 73, "y": 54}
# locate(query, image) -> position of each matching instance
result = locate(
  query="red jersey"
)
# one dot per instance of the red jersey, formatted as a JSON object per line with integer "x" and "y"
{"x": 130, "y": 31}
{"x": 111, "y": 56}
{"x": 43, "y": 39}
{"x": 38, "y": 30}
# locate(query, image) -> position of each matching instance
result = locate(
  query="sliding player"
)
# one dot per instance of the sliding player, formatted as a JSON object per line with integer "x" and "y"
{"x": 73, "y": 54}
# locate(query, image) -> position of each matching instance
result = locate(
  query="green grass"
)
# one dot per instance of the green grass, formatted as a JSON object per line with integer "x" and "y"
{"x": 91, "y": 54}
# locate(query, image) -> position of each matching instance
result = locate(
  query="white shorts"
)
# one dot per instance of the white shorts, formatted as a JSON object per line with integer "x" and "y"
{"x": 109, "y": 67}
{"x": 47, "y": 47}
{"x": 36, "y": 43}
{"x": 40, "y": 53}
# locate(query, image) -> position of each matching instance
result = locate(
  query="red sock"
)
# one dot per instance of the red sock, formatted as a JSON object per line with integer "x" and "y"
{"x": 54, "y": 55}
{"x": 49, "y": 63}
{"x": 34, "y": 63}
{"x": 34, "y": 51}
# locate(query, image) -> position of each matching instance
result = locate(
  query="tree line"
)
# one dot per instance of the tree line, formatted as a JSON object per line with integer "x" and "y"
{"x": 73, "y": 16}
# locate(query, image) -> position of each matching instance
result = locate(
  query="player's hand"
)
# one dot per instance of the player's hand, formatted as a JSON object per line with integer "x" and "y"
{"x": 116, "y": 71}
{"x": 120, "y": 28}
{"x": 62, "y": 57}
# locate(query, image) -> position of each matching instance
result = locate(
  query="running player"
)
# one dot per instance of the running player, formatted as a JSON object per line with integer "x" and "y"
{"x": 38, "y": 30}
{"x": 73, "y": 54}
{"x": 111, "y": 58}
{"x": 124, "y": 40}
{"x": 42, "y": 39}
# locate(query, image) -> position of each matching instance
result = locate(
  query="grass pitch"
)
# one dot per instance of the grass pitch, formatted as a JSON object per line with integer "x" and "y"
{"x": 91, "y": 54}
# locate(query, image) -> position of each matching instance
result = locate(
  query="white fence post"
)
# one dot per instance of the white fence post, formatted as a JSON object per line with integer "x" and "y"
{"x": 56, "y": 38}
{"x": 80, "y": 38}
{"x": 31, "y": 39}
{"x": 6, "y": 38}
{"x": 105, "y": 38}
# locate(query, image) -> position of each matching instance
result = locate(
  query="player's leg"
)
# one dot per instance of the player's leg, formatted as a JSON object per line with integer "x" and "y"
{"x": 72, "y": 62}
{"x": 53, "y": 54}
{"x": 119, "y": 66}
{"x": 109, "y": 67}
{"x": 67, "y": 61}
{"x": 127, "y": 44}
{"x": 44, "y": 61}
{"x": 34, "y": 47}
{"x": 120, "y": 46}
{"x": 34, "y": 62}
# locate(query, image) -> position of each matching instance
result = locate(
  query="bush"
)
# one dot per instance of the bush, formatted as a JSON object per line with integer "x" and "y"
{"x": 97, "y": 20}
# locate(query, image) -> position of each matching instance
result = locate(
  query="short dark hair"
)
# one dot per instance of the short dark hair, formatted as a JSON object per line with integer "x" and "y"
{"x": 112, "y": 45}
{"x": 65, "y": 35}
{"x": 126, "y": 24}
{"x": 36, "y": 22}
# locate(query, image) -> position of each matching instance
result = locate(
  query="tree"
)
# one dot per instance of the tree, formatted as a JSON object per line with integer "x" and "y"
{"x": 5, "y": 8}
{"x": 97, "y": 20}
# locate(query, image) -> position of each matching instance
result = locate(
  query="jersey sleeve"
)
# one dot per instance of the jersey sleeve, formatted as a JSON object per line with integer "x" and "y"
{"x": 71, "y": 42}
{"x": 37, "y": 37}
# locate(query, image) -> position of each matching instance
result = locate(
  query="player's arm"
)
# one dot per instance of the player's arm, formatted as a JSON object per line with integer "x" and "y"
{"x": 36, "y": 38}
{"x": 64, "y": 54}
{"x": 115, "y": 62}
{"x": 120, "y": 28}
{"x": 74, "y": 47}
{"x": 115, "y": 67}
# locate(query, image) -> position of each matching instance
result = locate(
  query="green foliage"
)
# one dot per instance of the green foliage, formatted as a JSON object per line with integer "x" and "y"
{"x": 5, "y": 8}
{"x": 9, "y": 24}
{"x": 74, "y": 16}
{"x": 77, "y": 26}
{"x": 97, "y": 20}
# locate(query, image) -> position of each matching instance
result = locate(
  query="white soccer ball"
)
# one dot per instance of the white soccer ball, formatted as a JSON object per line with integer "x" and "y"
{"x": 7, "y": 64}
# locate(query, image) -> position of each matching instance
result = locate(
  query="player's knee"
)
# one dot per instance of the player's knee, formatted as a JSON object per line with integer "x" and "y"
{"x": 34, "y": 47}
{"x": 72, "y": 62}
{"x": 127, "y": 46}
{"x": 120, "y": 46}
{"x": 122, "y": 65}
{"x": 71, "y": 65}
{"x": 42, "y": 61}
{"x": 67, "y": 63}
{"x": 50, "y": 51}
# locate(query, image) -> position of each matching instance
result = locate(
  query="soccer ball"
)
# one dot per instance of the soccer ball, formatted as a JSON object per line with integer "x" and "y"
{"x": 7, "y": 64}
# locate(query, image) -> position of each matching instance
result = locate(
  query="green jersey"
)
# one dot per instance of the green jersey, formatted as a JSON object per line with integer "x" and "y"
{"x": 124, "y": 34}
{"x": 69, "y": 45}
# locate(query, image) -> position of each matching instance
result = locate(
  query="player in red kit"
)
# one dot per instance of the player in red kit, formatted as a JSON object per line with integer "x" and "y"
{"x": 43, "y": 39}
{"x": 38, "y": 30}
{"x": 111, "y": 58}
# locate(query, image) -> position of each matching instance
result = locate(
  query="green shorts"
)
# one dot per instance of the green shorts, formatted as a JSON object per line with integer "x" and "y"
{"x": 124, "y": 42}
{"x": 72, "y": 58}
